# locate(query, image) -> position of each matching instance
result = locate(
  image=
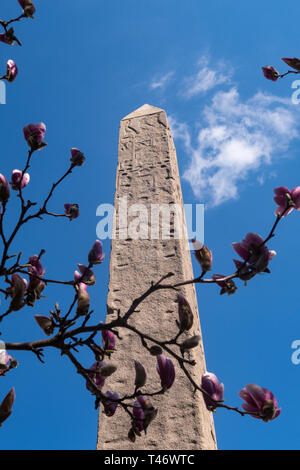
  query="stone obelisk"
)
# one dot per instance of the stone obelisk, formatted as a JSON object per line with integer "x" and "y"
{"x": 148, "y": 174}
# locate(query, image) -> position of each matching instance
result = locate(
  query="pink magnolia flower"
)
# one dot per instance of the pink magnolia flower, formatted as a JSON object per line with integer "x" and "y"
{"x": 253, "y": 250}
{"x": 72, "y": 211}
{"x": 28, "y": 7}
{"x": 12, "y": 71}
{"x": 16, "y": 178}
{"x": 203, "y": 255}
{"x": 292, "y": 62}
{"x": 36, "y": 263}
{"x": 4, "y": 189}
{"x": 77, "y": 157}
{"x": 270, "y": 73}
{"x": 85, "y": 276}
{"x": 6, "y": 405}
{"x": 4, "y": 360}
{"x": 17, "y": 291}
{"x": 108, "y": 339}
{"x": 95, "y": 376}
{"x": 143, "y": 413}
{"x": 77, "y": 279}
{"x": 212, "y": 386}
{"x": 283, "y": 197}
{"x": 109, "y": 405}
{"x": 34, "y": 135}
{"x": 166, "y": 371}
{"x": 138, "y": 414}
{"x": 36, "y": 285}
{"x": 96, "y": 256}
{"x": 35, "y": 269}
{"x": 259, "y": 401}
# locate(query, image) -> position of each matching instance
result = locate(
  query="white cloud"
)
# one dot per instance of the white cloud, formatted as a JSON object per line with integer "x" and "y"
{"x": 161, "y": 81}
{"x": 236, "y": 139}
{"x": 206, "y": 78}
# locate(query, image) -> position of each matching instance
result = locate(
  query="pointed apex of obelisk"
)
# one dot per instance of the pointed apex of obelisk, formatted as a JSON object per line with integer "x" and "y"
{"x": 143, "y": 111}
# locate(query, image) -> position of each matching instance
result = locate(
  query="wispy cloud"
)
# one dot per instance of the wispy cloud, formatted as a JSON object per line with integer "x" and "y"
{"x": 237, "y": 138}
{"x": 206, "y": 77}
{"x": 161, "y": 81}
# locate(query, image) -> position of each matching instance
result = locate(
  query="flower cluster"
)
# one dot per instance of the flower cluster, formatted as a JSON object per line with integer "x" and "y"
{"x": 259, "y": 403}
{"x": 272, "y": 74}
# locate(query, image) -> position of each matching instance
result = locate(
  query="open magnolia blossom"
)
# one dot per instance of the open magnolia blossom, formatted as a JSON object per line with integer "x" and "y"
{"x": 259, "y": 402}
{"x": 255, "y": 254}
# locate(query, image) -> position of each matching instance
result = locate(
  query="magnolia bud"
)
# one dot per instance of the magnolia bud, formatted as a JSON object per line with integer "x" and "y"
{"x": 166, "y": 371}
{"x": 4, "y": 189}
{"x": 83, "y": 303}
{"x": 292, "y": 62}
{"x": 34, "y": 135}
{"x": 95, "y": 255}
{"x": 45, "y": 323}
{"x": 203, "y": 255}
{"x": 131, "y": 435}
{"x": 155, "y": 350}
{"x": 12, "y": 71}
{"x": 190, "y": 343}
{"x": 28, "y": 7}
{"x": 77, "y": 157}
{"x": 270, "y": 72}
{"x": 140, "y": 375}
{"x": 18, "y": 288}
{"x": 150, "y": 415}
{"x": 107, "y": 370}
{"x": 72, "y": 211}
{"x": 6, "y": 406}
{"x": 185, "y": 314}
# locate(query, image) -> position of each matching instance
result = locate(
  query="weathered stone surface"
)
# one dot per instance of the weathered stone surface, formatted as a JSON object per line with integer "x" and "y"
{"x": 148, "y": 173}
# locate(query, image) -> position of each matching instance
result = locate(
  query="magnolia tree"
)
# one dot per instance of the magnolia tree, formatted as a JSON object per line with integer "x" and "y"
{"x": 25, "y": 282}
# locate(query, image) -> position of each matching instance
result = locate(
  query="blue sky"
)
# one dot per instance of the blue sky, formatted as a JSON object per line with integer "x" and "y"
{"x": 83, "y": 66}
